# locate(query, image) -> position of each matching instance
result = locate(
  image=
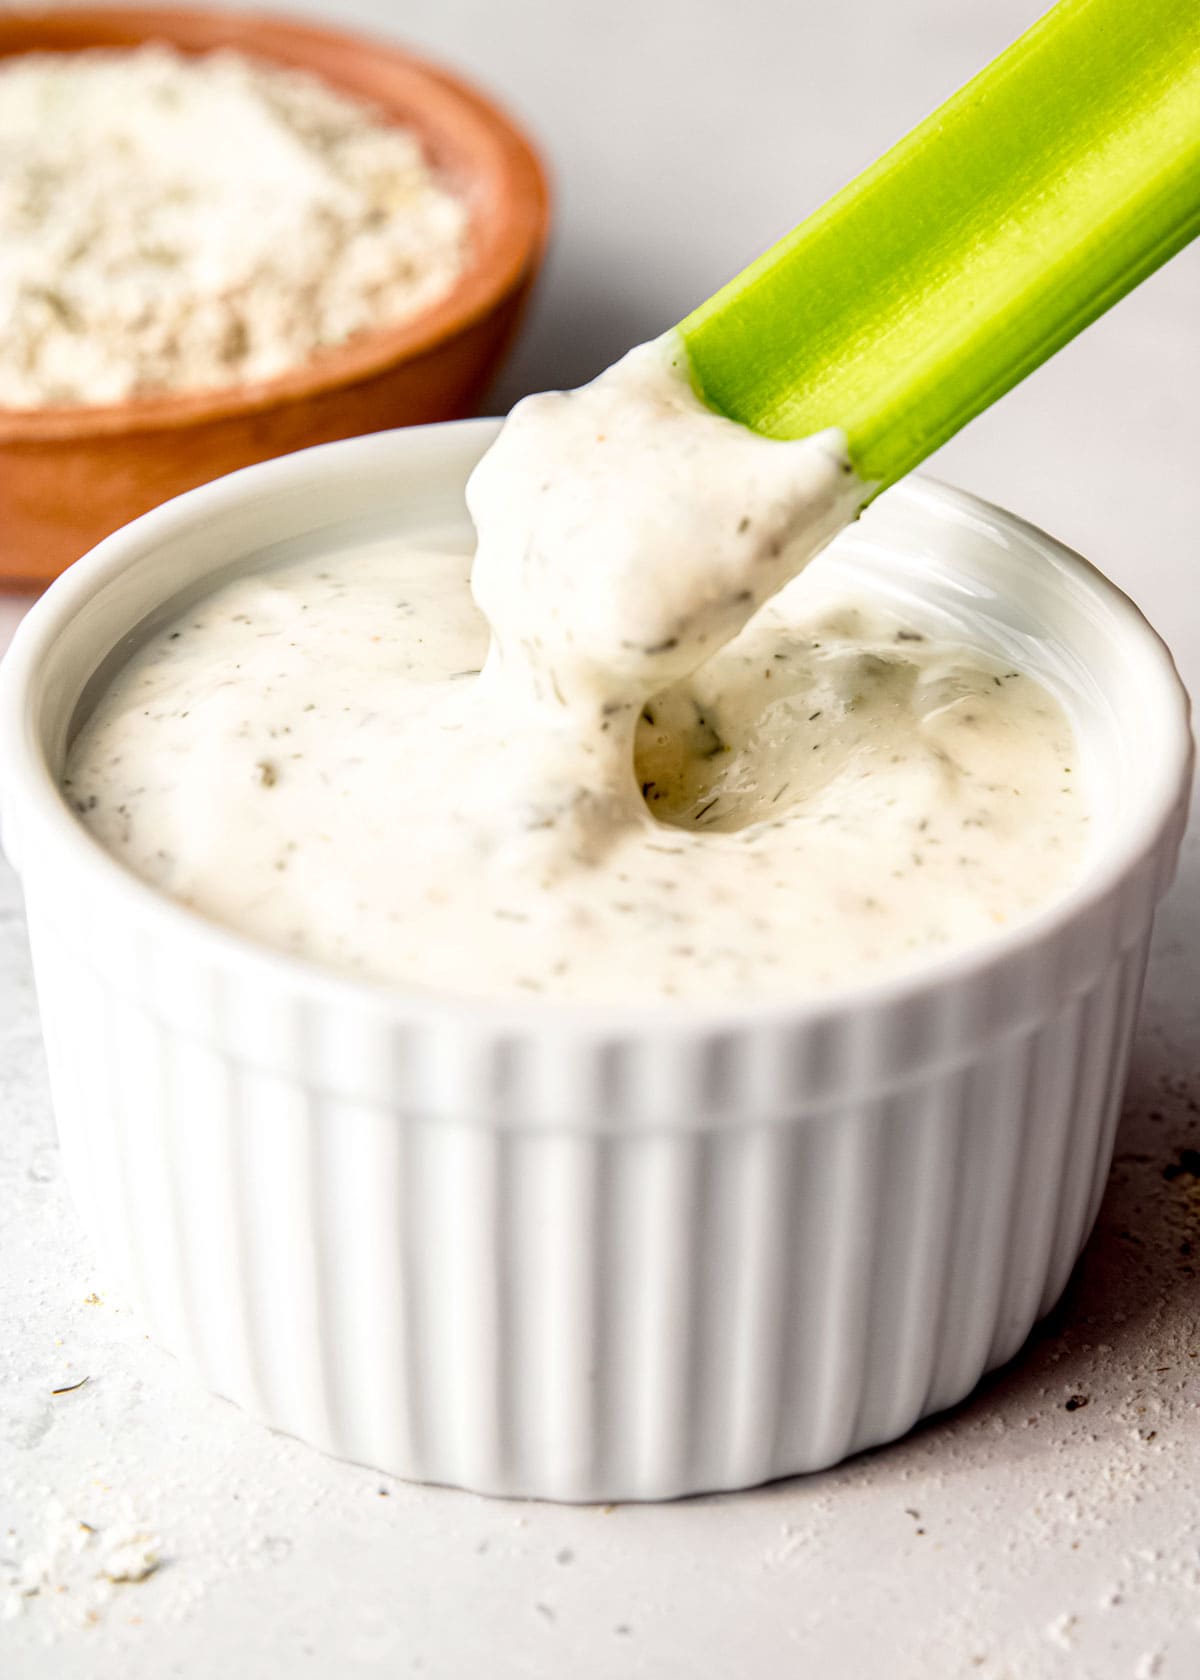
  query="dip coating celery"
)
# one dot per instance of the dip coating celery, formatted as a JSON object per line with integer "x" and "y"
{"x": 1043, "y": 191}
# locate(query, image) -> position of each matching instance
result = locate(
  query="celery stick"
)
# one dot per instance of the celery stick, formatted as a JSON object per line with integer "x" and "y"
{"x": 1038, "y": 195}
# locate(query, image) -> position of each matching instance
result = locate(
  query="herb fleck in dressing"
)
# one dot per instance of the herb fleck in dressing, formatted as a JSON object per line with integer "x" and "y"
{"x": 670, "y": 773}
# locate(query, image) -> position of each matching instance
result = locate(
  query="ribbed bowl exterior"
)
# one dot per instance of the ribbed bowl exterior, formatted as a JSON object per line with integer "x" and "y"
{"x": 586, "y": 1254}
{"x": 588, "y": 1266}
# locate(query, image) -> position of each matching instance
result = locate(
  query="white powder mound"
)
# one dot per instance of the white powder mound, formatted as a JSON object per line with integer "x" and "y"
{"x": 171, "y": 223}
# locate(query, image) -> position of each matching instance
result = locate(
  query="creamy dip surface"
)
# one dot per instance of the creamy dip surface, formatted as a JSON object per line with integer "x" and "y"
{"x": 674, "y": 769}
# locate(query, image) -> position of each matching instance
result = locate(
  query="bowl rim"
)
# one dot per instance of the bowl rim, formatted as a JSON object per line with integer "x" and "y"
{"x": 28, "y": 788}
{"x": 514, "y": 246}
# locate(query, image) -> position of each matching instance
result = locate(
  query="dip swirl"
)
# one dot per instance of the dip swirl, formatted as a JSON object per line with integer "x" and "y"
{"x": 674, "y": 770}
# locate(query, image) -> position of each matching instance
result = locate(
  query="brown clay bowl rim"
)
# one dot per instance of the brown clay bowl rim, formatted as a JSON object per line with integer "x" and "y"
{"x": 511, "y": 245}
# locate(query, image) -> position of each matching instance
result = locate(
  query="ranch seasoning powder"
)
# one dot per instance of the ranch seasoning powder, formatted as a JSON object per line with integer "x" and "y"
{"x": 172, "y": 223}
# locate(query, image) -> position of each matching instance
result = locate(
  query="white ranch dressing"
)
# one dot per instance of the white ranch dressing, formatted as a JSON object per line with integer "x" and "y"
{"x": 674, "y": 777}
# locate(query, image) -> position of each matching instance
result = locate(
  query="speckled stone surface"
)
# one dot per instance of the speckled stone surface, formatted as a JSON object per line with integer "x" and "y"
{"x": 1047, "y": 1530}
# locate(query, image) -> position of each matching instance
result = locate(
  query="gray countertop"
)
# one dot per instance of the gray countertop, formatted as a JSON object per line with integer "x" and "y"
{"x": 1046, "y": 1528}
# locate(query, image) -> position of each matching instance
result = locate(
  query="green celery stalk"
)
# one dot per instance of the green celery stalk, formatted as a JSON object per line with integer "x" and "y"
{"x": 1042, "y": 192}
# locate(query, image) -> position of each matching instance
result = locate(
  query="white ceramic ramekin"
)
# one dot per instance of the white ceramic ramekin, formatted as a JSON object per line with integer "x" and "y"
{"x": 569, "y": 1252}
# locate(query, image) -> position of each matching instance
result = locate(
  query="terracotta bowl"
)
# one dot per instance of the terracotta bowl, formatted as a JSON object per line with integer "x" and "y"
{"x": 70, "y": 475}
